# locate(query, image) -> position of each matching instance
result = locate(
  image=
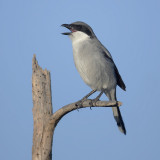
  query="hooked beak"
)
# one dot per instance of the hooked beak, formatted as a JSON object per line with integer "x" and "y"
{"x": 67, "y": 26}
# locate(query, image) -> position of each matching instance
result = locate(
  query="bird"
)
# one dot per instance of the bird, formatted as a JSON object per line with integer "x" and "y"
{"x": 95, "y": 65}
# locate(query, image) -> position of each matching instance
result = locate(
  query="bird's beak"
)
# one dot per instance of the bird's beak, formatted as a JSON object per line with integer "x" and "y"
{"x": 67, "y": 26}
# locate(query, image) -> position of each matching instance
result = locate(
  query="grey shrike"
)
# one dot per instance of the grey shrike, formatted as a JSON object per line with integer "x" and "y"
{"x": 95, "y": 65}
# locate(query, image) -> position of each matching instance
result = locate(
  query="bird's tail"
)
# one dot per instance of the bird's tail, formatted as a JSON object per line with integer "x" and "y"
{"x": 119, "y": 120}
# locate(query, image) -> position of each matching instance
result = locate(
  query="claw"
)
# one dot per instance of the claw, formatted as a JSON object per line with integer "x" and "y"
{"x": 93, "y": 101}
{"x": 79, "y": 104}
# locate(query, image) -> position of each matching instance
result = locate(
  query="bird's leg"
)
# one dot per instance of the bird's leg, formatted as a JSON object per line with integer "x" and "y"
{"x": 97, "y": 98}
{"x": 79, "y": 103}
{"x": 89, "y": 94}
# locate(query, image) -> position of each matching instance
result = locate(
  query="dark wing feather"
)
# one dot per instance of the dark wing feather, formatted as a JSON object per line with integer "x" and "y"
{"x": 120, "y": 82}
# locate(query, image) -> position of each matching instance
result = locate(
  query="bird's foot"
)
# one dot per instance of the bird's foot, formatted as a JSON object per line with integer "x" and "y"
{"x": 79, "y": 104}
{"x": 93, "y": 102}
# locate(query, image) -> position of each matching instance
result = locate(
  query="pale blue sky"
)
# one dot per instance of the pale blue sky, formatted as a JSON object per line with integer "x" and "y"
{"x": 130, "y": 29}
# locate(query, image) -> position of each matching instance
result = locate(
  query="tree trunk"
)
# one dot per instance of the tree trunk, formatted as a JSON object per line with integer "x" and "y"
{"x": 44, "y": 119}
{"x": 42, "y": 111}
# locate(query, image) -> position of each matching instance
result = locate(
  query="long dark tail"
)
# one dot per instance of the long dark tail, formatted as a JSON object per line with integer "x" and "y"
{"x": 119, "y": 120}
{"x": 116, "y": 111}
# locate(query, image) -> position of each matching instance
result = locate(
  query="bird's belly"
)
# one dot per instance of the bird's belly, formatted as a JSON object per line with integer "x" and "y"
{"x": 94, "y": 70}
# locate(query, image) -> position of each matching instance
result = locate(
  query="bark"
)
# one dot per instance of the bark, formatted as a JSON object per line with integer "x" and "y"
{"x": 44, "y": 119}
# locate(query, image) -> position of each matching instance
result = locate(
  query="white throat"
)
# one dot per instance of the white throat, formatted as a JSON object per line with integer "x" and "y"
{"x": 78, "y": 36}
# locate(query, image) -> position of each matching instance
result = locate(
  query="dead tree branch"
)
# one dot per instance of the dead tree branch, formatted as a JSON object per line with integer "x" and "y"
{"x": 44, "y": 119}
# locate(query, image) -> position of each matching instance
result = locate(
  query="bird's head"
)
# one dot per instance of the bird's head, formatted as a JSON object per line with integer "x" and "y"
{"x": 79, "y": 30}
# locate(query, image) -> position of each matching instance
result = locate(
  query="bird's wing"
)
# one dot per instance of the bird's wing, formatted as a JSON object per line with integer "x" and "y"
{"x": 120, "y": 82}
